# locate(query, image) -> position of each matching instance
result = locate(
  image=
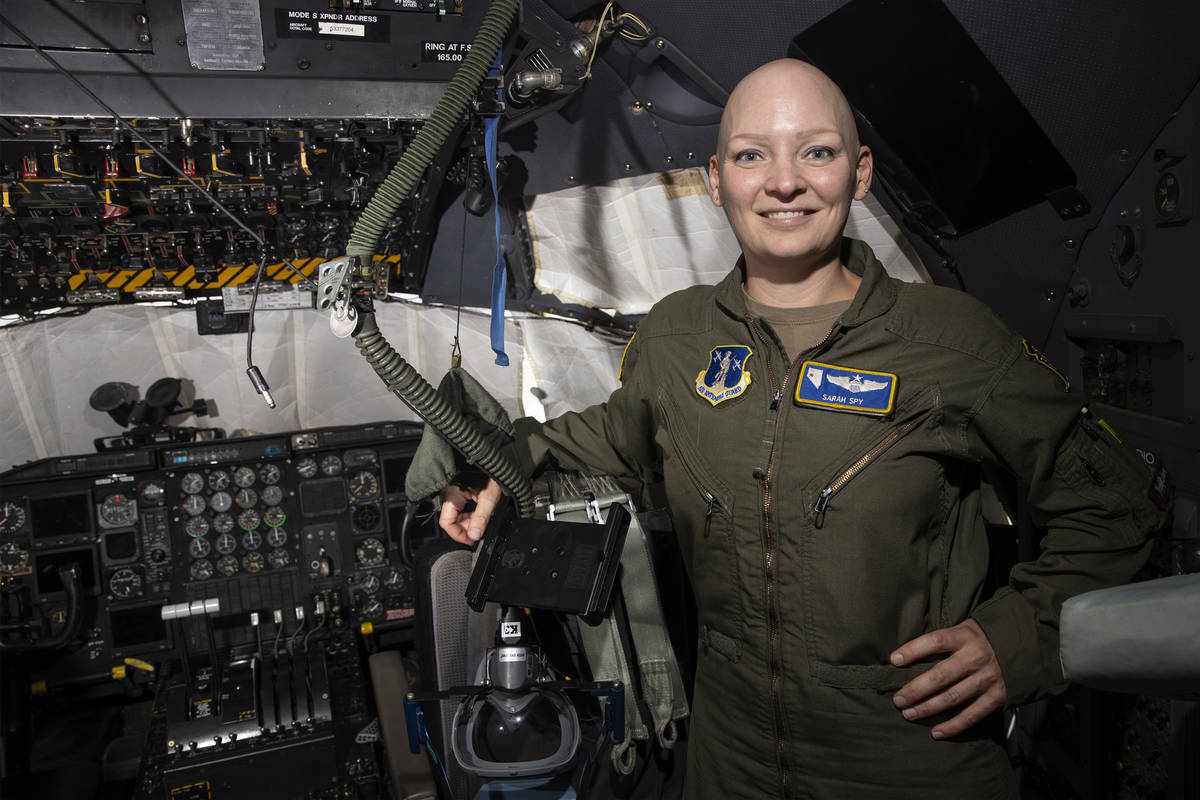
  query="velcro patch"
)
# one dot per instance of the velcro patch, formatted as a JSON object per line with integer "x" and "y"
{"x": 858, "y": 391}
{"x": 726, "y": 376}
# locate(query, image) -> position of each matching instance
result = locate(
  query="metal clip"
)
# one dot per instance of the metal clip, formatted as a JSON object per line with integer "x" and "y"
{"x": 332, "y": 279}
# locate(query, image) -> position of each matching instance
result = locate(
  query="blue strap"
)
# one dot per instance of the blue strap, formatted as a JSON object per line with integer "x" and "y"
{"x": 500, "y": 270}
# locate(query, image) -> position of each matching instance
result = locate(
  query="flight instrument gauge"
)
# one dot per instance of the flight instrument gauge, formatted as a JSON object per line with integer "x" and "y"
{"x": 192, "y": 483}
{"x": 226, "y": 544}
{"x": 227, "y": 565}
{"x": 12, "y": 517}
{"x": 153, "y": 494}
{"x": 125, "y": 583}
{"x": 201, "y": 569}
{"x": 278, "y": 558}
{"x": 13, "y": 558}
{"x": 366, "y": 517}
{"x": 272, "y": 495}
{"x": 364, "y": 486}
{"x": 254, "y": 562}
{"x": 307, "y": 467}
{"x": 249, "y": 519}
{"x": 223, "y": 523}
{"x": 370, "y": 552}
{"x": 117, "y": 511}
{"x": 251, "y": 540}
{"x": 220, "y": 502}
{"x": 194, "y": 504}
{"x": 196, "y": 527}
{"x": 244, "y": 476}
{"x": 331, "y": 465}
{"x": 274, "y": 516}
{"x": 199, "y": 548}
{"x": 269, "y": 474}
{"x": 246, "y": 498}
{"x": 218, "y": 480}
{"x": 276, "y": 537}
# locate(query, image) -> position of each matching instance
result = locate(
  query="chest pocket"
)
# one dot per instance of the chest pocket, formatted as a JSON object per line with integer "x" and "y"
{"x": 702, "y": 510}
{"x": 878, "y": 539}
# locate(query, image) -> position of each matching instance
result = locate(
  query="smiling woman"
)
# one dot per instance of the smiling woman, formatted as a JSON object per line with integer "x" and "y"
{"x": 787, "y": 166}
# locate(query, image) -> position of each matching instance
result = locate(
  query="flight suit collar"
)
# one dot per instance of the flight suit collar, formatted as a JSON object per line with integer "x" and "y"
{"x": 875, "y": 295}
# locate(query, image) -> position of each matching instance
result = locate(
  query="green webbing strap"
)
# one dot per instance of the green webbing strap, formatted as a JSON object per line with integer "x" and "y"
{"x": 587, "y": 499}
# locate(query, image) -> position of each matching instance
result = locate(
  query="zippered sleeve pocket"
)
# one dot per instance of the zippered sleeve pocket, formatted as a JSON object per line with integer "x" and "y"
{"x": 702, "y": 510}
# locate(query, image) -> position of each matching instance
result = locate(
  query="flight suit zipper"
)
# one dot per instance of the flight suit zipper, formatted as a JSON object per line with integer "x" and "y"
{"x": 836, "y": 485}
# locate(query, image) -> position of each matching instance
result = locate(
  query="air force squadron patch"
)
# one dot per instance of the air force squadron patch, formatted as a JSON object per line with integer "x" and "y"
{"x": 725, "y": 377}
{"x": 859, "y": 391}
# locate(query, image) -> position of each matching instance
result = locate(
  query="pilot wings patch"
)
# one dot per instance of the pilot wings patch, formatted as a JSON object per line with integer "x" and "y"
{"x": 726, "y": 376}
{"x": 859, "y": 391}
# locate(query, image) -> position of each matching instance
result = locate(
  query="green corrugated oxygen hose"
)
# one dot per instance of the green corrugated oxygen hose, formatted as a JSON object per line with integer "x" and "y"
{"x": 400, "y": 376}
{"x": 420, "y": 154}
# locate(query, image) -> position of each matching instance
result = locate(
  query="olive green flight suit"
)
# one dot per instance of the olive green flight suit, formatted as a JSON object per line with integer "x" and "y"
{"x": 818, "y": 540}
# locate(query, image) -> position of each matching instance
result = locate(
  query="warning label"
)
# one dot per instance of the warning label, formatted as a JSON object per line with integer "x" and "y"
{"x": 444, "y": 51}
{"x": 338, "y": 25}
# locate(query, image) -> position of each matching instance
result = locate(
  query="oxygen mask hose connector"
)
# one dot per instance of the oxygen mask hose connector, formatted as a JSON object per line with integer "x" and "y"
{"x": 260, "y": 385}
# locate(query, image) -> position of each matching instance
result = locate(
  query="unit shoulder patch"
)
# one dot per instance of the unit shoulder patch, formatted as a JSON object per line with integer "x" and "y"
{"x": 725, "y": 377}
{"x": 857, "y": 391}
{"x": 1040, "y": 357}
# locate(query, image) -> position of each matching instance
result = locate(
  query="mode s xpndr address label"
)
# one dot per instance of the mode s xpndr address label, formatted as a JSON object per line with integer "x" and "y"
{"x": 337, "y": 25}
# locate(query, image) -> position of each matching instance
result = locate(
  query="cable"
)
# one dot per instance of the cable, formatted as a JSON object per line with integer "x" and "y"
{"x": 256, "y": 378}
{"x": 596, "y": 43}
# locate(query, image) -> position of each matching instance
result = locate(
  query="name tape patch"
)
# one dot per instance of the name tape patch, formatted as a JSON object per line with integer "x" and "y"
{"x": 858, "y": 391}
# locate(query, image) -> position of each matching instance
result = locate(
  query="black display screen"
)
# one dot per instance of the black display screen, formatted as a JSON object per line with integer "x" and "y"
{"x": 933, "y": 98}
{"x": 120, "y": 546}
{"x": 48, "y": 564}
{"x": 395, "y": 470}
{"x": 60, "y": 516}
{"x": 132, "y": 627}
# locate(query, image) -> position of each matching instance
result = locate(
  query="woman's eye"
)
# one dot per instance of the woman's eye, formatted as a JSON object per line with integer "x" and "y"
{"x": 748, "y": 155}
{"x": 820, "y": 153}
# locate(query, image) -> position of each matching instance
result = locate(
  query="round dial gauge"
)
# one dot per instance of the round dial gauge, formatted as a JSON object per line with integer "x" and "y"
{"x": 220, "y": 502}
{"x": 201, "y": 569}
{"x": 246, "y": 498}
{"x": 368, "y": 583}
{"x": 331, "y": 465}
{"x": 269, "y": 474}
{"x": 223, "y": 523}
{"x": 364, "y": 485}
{"x": 372, "y": 609}
{"x": 199, "y": 548}
{"x": 227, "y": 565}
{"x": 274, "y": 516}
{"x": 153, "y": 494}
{"x": 194, "y": 504}
{"x": 272, "y": 495}
{"x": 278, "y": 558}
{"x": 118, "y": 510}
{"x": 218, "y": 480}
{"x": 307, "y": 467}
{"x": 249, "y": 519}
{"x": 254, "y": 562}
{"x": 12, "y": 517}
{"x": 251, "y": 540}
{"x": 226, "y": 544}
{"x": 196, "y": 527}
{"x": 369, "y": 552}
{"x": 366, "y": 517}
{"x": 395, "y": 579}
{"x": 276, "y": 537}
{"x": 192, "y": 483}
{"x": 12, "y": 558}
{"x": 244, "y": 476}
{"x": 125, "y": 583}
